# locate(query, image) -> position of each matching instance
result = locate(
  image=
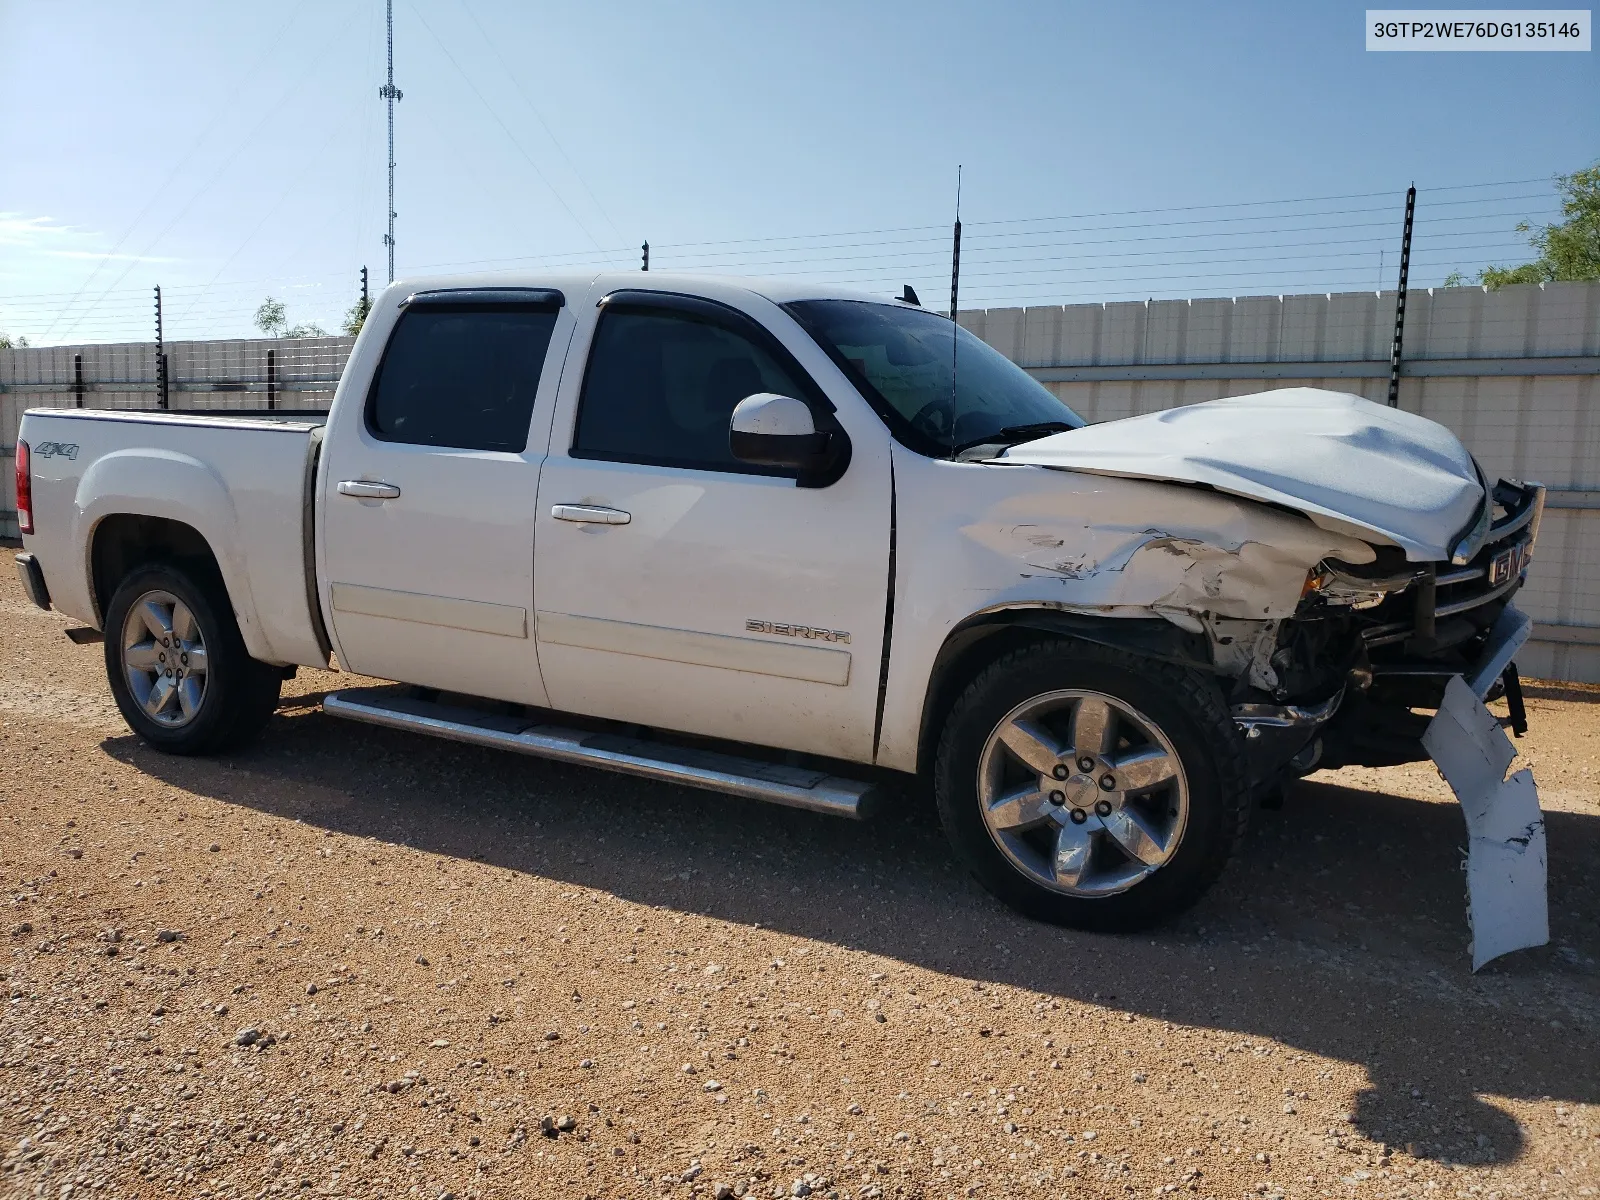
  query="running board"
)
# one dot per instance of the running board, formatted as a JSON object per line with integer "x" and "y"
{"x": 797, "y": 787}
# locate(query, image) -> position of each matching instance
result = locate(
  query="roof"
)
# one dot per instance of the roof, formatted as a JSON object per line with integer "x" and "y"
{"x": 578, "y": 283}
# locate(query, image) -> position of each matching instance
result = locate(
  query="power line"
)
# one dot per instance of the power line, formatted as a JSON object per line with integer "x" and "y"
{"x": 934, "y": 249}
{"x": 931, "y": 262}
{"x": 931, "y": 258}
{"x": 1198, "y": 236}
{"x": 1385, "y": 225}
{"x": 272, "y": 209}
{"x": 311, "y": 64}
{"x": 809, "y": 253}
{"x": 506, "y": 128}
{"x": 1114, "y": 213}
{"x": 984, "y": 242}
{"x": 1158, "y": 225}
{"x": 1258, "y": 203}
{"x": 219, "y": 116}
{"x": 1122, "y": 269}
{"x": 538, "y": 116}
{"x": 622, "y": 252}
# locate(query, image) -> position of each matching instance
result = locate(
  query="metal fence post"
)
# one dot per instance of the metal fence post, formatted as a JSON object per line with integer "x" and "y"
{"x": 1400, "y": 300}
{"x": 272, "y": 379}
{"x": 162, "y": 398}
{"x": 77, "y": 380}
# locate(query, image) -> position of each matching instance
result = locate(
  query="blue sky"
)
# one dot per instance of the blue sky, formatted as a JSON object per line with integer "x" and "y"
{"x": 229, "y": 151}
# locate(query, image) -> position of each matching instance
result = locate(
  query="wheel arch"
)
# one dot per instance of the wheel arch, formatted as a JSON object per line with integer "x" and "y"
{"x": 120, "y": 543}
{"x": 144, "y": 505}
{"x": 984, "y": 637}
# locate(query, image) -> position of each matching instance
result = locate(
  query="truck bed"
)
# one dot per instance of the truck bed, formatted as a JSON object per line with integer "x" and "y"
{"x": 243, "y": 480}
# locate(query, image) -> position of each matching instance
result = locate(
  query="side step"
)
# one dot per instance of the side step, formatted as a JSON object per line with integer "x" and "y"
{"x": 797, "y": 787}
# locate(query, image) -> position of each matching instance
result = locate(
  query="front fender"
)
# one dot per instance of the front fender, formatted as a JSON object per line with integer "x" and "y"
{"x": 150, "y": 482}
{"x": 976, "y": 538}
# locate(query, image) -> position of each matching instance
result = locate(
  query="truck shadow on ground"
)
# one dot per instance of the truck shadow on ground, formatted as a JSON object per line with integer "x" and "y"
{"x": 1339, "y": 930}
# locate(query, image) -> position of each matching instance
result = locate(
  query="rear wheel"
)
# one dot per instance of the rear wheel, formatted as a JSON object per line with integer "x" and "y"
{"x": 1089, "y": 787}
{"x": 178, "y": 668}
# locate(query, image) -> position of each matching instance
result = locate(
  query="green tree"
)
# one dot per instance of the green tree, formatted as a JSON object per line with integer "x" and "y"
{"x": 356, "y": 316}
{"x": 1569, "y": 251}
{"x": 7, "y": 342}
{"x": 273, "y": 320}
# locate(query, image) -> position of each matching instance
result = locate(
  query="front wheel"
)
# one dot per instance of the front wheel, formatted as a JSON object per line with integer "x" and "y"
{"x": 178, "y": 668}
{"x": 1090, "y": 787}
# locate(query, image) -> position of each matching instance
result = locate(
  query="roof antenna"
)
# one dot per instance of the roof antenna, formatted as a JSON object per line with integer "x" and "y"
{"x": 955, "y": 325}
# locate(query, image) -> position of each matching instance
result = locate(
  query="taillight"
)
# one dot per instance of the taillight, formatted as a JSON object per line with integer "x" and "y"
{"x": 24, "y": 488}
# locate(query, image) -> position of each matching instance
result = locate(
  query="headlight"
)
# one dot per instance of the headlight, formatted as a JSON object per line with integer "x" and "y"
{"x": 1337, "y": 586}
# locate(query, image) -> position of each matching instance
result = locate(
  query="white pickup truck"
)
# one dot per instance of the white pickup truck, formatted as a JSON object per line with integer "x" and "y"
{"x": 778, "y": 541}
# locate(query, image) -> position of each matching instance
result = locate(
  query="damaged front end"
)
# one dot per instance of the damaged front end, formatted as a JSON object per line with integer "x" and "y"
{"x": 1353, "y": 677}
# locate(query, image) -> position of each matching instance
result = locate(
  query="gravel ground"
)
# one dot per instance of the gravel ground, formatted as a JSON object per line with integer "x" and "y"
{"x": 358, "y": 962}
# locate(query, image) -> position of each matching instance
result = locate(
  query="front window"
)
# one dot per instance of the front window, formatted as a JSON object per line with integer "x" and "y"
{"x": 905, "y": 359}
{"x": 663, "y": 381}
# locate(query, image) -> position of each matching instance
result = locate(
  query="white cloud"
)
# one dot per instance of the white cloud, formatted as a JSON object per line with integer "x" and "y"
{"x": 97, "y": 256}
{"x": 51, "y": 238}
{"x": 19, "y": 230}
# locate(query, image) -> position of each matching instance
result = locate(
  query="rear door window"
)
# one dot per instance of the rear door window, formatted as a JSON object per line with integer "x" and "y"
{"x": 462, "y": 376}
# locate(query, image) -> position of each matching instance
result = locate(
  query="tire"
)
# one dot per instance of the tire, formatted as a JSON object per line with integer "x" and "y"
{"x": 1168, "y": 779}
{"x": 216, "y": 697}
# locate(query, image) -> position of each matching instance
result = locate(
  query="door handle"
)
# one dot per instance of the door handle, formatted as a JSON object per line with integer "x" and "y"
{"x": 590, "y": 514}
{"x": 367, "y": 489}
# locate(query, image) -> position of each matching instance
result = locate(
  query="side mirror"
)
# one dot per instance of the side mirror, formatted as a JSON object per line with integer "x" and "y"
{"x": 768, "y": 430}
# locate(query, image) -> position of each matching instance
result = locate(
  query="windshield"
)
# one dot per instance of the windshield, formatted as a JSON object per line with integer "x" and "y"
{"x": 903, "y": 358}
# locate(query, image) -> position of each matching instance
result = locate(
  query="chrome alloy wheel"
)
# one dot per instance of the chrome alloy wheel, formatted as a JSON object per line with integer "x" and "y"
{"x": 1082, "y": 793}
{"x": 164, "y": 659}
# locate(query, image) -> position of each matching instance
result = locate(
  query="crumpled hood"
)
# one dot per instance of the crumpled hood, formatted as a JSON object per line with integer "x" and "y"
{"x": 1350, "y": 465}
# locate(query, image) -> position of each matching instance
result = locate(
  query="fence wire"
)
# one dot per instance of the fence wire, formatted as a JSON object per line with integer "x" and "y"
{"x": 1336, "y": 243}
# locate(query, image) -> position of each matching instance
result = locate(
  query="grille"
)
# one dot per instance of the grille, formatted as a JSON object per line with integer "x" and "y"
{"x": 1495, "y": 572}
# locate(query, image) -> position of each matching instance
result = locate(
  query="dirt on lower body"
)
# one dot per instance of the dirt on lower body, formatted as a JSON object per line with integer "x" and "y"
{"x": 358, "y": 962}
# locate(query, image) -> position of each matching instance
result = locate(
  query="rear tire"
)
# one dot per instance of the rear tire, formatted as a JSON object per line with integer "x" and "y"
{"x": 1090, "y": 787}
{"x": 178, "y": 667}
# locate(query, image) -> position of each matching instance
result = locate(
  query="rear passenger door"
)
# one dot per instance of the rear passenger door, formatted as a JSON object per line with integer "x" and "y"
{"x": 428, "y": 509}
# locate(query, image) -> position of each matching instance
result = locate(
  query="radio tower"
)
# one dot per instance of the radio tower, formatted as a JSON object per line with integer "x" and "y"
{"x": 390, "y": 93}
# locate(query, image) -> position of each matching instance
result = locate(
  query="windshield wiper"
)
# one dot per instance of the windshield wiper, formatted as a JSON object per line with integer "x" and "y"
{"x": 1011, "y": 435}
